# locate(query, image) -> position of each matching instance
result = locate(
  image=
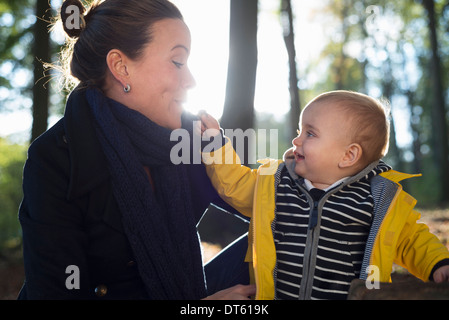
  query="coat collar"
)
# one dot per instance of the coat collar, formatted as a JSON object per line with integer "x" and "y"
{"x": 88, "y": 163}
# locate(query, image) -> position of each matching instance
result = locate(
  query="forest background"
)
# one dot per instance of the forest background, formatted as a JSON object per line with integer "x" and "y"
{"x": 396, "y": 50}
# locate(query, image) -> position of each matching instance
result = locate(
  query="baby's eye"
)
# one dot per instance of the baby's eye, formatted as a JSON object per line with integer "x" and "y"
{"x": 310, "y": 134}
{"x": 298, "y": 131}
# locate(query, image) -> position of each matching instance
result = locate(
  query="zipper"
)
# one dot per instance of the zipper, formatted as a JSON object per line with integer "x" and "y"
{"x": 313, "y": 215}
{"x": 308, "y": 272}
{"x": 313, "y": 221}
{"x": 379, "y": 217}
{"x": 307, "y": 280}
{"x": 277, "y": 180}
{"x": 253, "y": 220}
{"x": 313, "y": 233}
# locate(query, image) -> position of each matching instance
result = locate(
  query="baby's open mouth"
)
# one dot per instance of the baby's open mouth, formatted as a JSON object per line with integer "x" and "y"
{"x": 298, "y": 156}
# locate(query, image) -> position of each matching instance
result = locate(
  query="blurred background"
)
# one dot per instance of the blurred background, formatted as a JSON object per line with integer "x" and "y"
{"x": 256, "y": 64}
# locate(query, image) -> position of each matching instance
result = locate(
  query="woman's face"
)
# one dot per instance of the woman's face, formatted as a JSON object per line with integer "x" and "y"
{"x": 160, "y": 78}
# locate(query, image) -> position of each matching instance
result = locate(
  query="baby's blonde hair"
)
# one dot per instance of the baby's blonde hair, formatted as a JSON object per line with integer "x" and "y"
{"x": 369, "y": 120}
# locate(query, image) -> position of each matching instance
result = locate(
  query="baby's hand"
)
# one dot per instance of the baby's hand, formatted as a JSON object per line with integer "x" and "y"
{"x": 441, "y": 274}
{"x": 209, "y": 125}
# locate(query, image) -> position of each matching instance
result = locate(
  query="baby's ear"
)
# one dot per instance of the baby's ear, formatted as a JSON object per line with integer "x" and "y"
{"x": 352, "y": 155}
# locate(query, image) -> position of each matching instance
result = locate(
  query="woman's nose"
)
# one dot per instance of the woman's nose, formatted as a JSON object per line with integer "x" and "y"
{"x": 189, "y": 80}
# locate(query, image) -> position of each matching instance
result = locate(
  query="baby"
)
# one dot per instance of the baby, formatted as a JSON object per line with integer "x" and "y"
{"x": 331, "y": 211}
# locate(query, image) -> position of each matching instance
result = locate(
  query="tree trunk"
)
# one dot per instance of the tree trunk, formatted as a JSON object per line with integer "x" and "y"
{"x": 415, "y": 118}
{"x": 238, "y": 112}
{"x": 388, "y": 91}
{"x": 416, "y": 134}
{"x": 340, "y": 61}
{"x": 41, "y": 52}
{"x": 289, "y": 39}
{"x": 440, "y": 139}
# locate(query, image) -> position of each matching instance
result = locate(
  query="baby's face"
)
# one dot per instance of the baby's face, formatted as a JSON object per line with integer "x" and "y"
{"x": 321, "y": 143}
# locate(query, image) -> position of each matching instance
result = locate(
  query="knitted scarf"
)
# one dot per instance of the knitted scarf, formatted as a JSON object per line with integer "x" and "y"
{"x": 159, "y": 222}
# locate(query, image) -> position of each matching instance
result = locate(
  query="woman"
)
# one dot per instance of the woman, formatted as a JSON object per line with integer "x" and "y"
{"x": 105, "y": 213}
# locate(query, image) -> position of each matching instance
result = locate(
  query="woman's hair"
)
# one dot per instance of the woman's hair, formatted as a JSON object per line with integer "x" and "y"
{"x": 369, "y": 120}
{"x": 94, "y": 30}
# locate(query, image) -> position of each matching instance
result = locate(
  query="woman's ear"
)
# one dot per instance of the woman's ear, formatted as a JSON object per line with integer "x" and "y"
{"x": 117, "y": 61}
{"x": 352, "y": 155}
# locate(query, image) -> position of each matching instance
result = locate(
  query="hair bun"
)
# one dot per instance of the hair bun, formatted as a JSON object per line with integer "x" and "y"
{"x": 72, "y": 17}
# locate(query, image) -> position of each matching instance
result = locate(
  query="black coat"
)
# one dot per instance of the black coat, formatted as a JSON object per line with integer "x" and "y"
{"x": 70, "y": 218}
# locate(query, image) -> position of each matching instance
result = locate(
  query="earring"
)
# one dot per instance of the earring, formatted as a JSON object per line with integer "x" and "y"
{"x": 127, "y": 88}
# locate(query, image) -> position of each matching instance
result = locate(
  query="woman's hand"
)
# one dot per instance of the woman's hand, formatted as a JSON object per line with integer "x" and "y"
{"x": 238, "y": 292}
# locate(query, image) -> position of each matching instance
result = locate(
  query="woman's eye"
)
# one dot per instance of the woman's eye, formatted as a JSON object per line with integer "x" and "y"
{"x": 178, "y": 64}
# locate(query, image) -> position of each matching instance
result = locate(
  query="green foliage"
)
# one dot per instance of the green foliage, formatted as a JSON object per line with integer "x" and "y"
{"x": 12, "y": 158}
{"x": 16, "y": 23}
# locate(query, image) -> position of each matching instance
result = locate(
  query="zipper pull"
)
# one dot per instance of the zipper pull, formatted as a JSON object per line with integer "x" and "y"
{"x": 316, "y": 195}
{"x": 313, "y": 221}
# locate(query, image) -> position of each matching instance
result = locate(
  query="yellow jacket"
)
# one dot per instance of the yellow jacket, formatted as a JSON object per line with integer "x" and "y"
{"x": 395, "y": 235}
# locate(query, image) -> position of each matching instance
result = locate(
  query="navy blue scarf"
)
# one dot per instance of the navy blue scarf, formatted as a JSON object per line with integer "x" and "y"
{"x": 159, "y": 222}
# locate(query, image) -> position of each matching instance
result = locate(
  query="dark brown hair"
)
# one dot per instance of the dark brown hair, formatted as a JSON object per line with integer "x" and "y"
{"x": 105, "y": 25}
